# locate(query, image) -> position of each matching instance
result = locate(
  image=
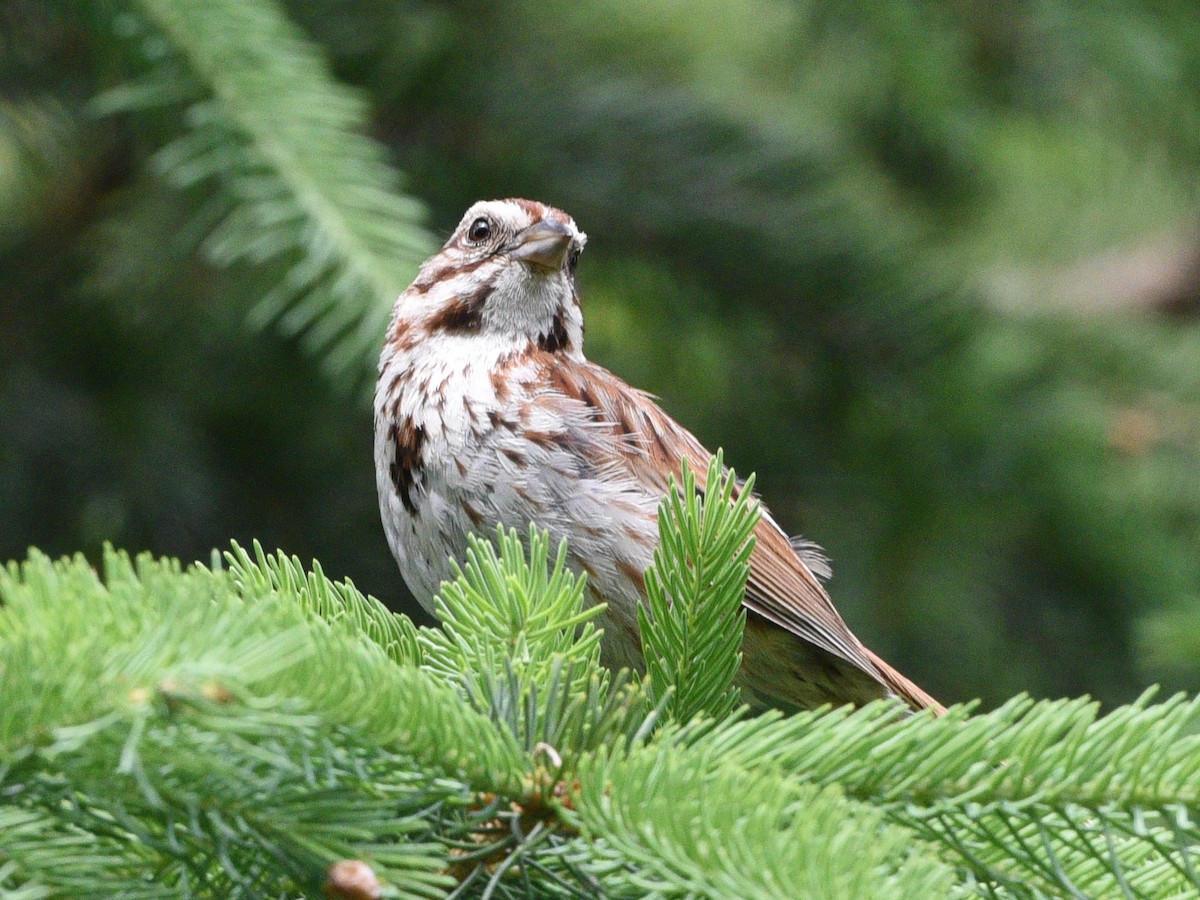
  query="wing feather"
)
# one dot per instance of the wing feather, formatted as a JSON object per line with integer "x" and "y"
{"x": 649, "y": 446}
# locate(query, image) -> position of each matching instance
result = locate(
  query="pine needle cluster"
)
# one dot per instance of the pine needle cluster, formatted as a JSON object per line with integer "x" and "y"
{"x": 291, "y": 184}
{"x": 253, "y": 728}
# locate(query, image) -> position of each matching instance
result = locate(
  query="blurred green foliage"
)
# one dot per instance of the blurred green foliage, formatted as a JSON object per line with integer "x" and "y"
{"x": 865, "y": 247}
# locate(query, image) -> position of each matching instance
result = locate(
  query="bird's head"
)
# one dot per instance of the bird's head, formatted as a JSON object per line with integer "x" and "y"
{"x": 506, "y": 273}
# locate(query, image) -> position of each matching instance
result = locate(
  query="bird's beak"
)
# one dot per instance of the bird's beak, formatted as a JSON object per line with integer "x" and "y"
{"x": 543, "y": 245}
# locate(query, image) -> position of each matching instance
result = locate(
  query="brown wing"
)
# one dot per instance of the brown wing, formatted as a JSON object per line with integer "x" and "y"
{"x": 651, "y": 445}
{"x": 904, "y": 687}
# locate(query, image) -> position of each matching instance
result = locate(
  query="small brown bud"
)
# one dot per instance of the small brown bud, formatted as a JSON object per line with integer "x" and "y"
{"x": 217, "y": 693}
{"x": 352, "y": 879}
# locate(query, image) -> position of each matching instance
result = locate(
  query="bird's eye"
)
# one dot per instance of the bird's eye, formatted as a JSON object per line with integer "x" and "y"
{"x": 480, "y": 230}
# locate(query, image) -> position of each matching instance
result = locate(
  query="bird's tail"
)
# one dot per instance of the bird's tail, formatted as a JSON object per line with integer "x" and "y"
{"x": 904, "y": 688}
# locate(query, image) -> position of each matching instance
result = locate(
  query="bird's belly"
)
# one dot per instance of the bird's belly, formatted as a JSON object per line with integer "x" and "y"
{"x": 424, "y": 540}
{"x": 610, "y": 526}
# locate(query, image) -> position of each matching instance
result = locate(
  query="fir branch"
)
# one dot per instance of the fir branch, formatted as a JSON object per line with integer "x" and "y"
{"x": 1059, "y": 751}
{"x": 564, "y": 716}
{"x": 693, "y": 619}
{"x": 242, "y": 730}
{"x": 232, "y": 737}
{"x": 679, "y": 822}
{"x": 503, "y": 604}
{"x": 151, "y": 629}
{"x": 518, "y": 640}
{"x": 1033, "y": 797}
{"x": 331, "y": 601}
{"x": 298, "y": 183}
{"x": 215, "y": 810}
{"x": 41, "y": 855}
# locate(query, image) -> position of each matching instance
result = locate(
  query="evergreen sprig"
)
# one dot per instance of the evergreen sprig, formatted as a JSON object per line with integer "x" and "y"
{"x": 330, "y": 601}
{"x": 505, "y": 603}
{"x": 693, "y": 618}
{"x": 279, "y": 146}
{"x": 517, "y": 636}
{"x": 212, "y": 741}
{"x": 1034, "y": 798}
{"x": 685, "y": 823}
{"x": 252, "y": 728}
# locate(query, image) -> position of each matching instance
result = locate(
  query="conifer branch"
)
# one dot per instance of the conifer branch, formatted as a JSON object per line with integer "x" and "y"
{"x": 517, "y": 638}
{"x": 330, "y": 601}
{"x": 693, "y": 619}
{"x": 686, "y": 824}
{"x": 255, "y": 728}
{"x": 298, "y": 183}
{"x": 1042, "y": 796}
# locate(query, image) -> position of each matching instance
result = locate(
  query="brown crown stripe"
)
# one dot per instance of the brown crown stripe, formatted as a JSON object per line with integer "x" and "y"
{"x": 536, "y": 210}
{"x": 462, "y": 315}
{"x": 409, "y": 439}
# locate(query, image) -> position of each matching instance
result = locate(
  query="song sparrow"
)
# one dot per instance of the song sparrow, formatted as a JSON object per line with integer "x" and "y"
{"x": 487, "y": 412}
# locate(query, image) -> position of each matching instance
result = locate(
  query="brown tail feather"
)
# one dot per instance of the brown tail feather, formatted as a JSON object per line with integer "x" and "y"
{"x": 904, "y": 688}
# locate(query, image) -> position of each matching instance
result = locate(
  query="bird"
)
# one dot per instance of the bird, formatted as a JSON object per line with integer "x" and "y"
{"x": 488, "y": 414}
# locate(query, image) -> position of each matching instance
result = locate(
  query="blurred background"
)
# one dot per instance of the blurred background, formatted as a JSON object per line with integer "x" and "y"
{"x": 931, "y": 269}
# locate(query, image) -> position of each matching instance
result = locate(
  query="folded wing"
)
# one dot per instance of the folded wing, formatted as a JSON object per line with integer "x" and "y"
{"x": 633, "y": 435}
